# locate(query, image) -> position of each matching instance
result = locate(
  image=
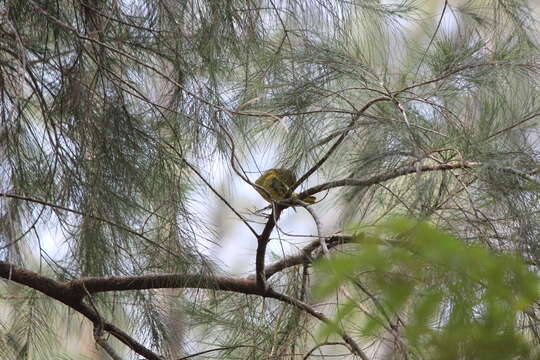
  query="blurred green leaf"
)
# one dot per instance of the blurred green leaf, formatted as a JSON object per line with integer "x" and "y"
{"x": 460, "y": 301}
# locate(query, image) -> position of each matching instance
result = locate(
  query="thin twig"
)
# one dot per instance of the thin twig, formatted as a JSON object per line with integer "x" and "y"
{"x": 108, "y": 349}
{"x": 336, "y": 144}
{"x": 432, "y": 37}
{"x": 320, "y": 345}
{"x": 216, "y": 349}
{"x": 95, "y": 217}
{"x": 512, "y": 126}
{"x": 353, "y": 346}
{"x": 207, "y": 183}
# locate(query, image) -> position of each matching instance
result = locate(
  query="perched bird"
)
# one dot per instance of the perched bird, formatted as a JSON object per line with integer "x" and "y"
{"x": 277, "y": 182}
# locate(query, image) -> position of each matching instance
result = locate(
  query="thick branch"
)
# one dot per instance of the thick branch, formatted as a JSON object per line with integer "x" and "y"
{"x": 49, "y": 287}
{"x": 305, "y": 254}
{"x": 71, "y": 293}
{"x": 66, "y": 294}
{"x": 262, "y": 242}
{"x": 93, "y": 316}
{"x": 163, "y": 281}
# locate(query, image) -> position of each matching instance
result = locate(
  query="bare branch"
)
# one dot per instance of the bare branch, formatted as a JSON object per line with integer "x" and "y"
{"x": 388, "y": 176}
{"x": 262, "y": 242}
{"x": 71, "y": 293}
{"x": 72, "y": 297}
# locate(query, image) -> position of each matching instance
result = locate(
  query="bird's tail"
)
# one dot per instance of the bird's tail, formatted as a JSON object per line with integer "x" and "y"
{"x": 308, "y": 199}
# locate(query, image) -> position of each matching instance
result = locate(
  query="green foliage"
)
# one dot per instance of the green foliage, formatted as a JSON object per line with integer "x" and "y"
{"x": 457, "y": 301}
{"x": 30, "y": 329}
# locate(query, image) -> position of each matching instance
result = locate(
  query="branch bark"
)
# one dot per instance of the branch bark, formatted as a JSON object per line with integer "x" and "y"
{"x": 388, "y": 176}
{"x": 72, "y": 297}
{"x": 305, "y": 255}
{"x": 72, "y": 294}
{"x": 262, "y": 242}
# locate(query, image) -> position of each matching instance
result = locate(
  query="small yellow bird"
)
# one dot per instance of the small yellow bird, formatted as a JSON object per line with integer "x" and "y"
{"x": 277, "y": 182}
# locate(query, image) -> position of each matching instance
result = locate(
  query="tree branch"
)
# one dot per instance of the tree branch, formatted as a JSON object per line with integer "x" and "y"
{"x": 72, "y": 293}
{"x": 353, "y": 346}
{"x": 262, "y": 242}
{"x": 304, "y": 255}
{"x": 72, "y": 297}
{"x": 388, "y": 176}
{"x": 338, "y": 142}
